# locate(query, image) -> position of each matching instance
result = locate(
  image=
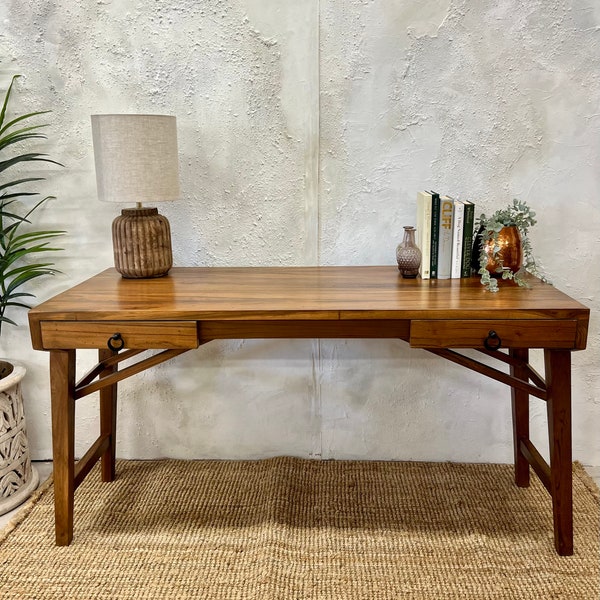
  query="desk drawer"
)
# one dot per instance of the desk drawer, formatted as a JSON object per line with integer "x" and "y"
{"x": 511, "y": 333}
{"x": 135, "y": 334}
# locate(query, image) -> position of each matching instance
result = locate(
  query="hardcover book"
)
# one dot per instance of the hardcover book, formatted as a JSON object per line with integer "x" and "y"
{"x": 424, "y": 232}
{"x": 435, "y": 233}
{"x": 469, "y": 223}
{"x": 457, "y": 239}
{"x": 444, "y": 259}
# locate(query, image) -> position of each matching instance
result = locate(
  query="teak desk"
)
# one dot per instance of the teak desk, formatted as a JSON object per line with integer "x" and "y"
{"x": 191, "y": 306}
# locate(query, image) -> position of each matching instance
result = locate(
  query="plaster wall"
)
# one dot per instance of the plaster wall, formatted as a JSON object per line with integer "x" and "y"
{"x": 305, "y": 130}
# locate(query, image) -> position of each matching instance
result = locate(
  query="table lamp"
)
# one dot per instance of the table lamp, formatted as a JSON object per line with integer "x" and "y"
{"x": 136, "y": 161}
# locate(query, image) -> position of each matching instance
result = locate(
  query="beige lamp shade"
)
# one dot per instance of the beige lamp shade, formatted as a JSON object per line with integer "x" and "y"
{"x": 136, "y": 157}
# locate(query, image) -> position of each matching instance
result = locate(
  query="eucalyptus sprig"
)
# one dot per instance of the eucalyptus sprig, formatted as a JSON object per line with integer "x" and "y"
{"x": 18, "y": 244}
{"x": 518, "y": 214}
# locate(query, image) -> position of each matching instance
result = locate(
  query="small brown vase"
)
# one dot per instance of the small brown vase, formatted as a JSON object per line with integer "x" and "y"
{"x": 510, "y": 255}
{"x": 408, "y": 254}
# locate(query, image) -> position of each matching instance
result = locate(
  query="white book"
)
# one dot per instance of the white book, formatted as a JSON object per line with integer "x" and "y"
{"x": 458, "y": 226}
{"x": 424, "y": 232}
{"x": 445, "y": 237}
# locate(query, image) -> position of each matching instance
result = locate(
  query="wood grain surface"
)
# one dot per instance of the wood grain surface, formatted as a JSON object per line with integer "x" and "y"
{"x": 301, "y": 294}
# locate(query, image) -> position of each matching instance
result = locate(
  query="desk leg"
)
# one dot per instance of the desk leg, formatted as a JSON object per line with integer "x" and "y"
{"x": 62, "y": 384}
{"x": 558, "y": 381}
{"x": 108, "y": 420}
{"x": 520, "y": 414}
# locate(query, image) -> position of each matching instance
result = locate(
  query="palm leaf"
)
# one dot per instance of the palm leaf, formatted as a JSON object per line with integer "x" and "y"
{"x": 4, "y": 319}
{"x": 6, "y": 98}
{"x": 24, "y": 129}
{"x": 25, "y": 268}
{"x": 13, "y": 255}
{"x": 8, "y": 140}
{"x": 23, "y": 117}
{"x": 25, "y": 277}
{"x": 22, "y": 243}
{"x": 22, "y": 295}
{"x": 17, "y": 245}
{"x": 19, "y": 182}
{"x": 20, "y": 304}
{"x": 12, "y": 196}
{"x": 31, "y": 156}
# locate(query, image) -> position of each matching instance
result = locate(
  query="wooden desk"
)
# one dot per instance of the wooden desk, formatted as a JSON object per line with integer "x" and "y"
{"x": 191, "y": 306}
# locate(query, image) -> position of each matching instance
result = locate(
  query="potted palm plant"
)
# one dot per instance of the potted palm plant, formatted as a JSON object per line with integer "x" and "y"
{"x": 20, "y": 244}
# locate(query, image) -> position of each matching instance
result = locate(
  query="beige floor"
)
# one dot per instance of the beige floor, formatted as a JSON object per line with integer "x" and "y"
{"x": 594, "y": 473}
{"x": 44, "y": 470}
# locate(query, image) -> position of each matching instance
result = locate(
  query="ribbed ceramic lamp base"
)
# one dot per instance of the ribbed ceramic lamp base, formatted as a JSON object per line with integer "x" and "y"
{"x": 142, "y": 243}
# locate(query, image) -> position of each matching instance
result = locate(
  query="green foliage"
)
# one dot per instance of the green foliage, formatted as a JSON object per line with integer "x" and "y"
{"x": 518, "y": 214}
{"x": 19, "y": 245}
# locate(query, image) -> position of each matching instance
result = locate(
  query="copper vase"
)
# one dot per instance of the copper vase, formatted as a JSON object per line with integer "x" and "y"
{"x": 510, "y": 255}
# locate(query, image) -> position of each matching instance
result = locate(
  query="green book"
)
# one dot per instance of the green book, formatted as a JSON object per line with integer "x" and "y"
{"x": 435, "y": 234}
{"x": 467, "y": 251}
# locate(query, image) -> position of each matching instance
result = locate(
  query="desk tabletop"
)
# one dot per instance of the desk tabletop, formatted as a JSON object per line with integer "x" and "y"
{"x": 365, "y": 292}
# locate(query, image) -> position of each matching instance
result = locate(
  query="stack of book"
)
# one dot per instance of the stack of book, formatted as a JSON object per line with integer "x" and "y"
{"x": 444, "y": 235}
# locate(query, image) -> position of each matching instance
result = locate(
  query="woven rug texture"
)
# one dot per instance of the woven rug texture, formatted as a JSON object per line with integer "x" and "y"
{"x": 290, "y": 528}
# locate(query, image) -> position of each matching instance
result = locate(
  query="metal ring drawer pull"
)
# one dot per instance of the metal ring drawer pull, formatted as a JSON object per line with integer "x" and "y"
{"x": 115, "y": 342}
{"x": 492, "y": 341}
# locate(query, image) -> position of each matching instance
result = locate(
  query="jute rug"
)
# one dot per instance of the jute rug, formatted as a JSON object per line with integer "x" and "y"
{"x": 296, "y": 529}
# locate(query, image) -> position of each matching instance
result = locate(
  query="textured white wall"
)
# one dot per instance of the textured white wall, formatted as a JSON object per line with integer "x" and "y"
{"x": 305, "y": 130}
